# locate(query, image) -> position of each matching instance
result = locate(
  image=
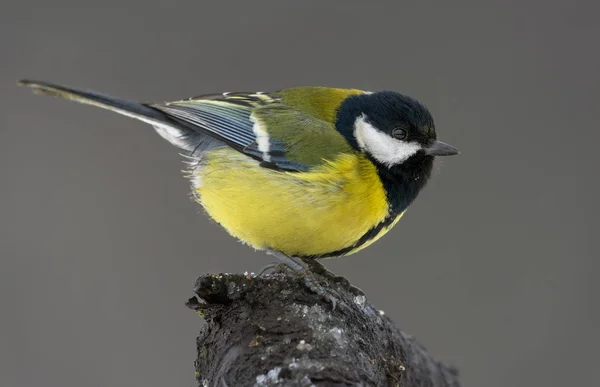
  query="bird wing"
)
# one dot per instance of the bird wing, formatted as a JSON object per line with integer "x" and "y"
{"x": 291, "y": 129}
{"x": 263, "y": 126}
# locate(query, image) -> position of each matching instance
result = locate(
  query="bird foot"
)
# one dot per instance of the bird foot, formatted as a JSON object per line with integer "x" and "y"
{"x": 316, "y": 277}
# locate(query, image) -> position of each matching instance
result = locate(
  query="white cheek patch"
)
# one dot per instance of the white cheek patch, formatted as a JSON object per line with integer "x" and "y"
{"x": 382, "y": 147}
{"x": 262, "y": 138}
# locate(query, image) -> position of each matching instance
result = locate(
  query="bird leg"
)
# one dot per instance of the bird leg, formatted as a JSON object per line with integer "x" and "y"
{"x": 316, "y": 277}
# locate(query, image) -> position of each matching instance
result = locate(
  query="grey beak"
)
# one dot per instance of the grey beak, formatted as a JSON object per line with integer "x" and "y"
{"x": 439, "y": 148}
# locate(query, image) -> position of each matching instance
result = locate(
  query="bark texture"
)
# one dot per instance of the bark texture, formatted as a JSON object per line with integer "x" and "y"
{"x": 274, "y": 331}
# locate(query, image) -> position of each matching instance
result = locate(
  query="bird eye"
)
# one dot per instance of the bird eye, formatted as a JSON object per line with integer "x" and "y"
{"x": 399, "y": 134}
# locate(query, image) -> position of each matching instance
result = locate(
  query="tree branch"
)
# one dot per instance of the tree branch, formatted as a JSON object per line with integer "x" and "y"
{"x": 274, "y": 331}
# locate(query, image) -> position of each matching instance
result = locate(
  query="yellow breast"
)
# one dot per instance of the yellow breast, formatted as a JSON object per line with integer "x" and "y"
{"x": 297, "y": 213}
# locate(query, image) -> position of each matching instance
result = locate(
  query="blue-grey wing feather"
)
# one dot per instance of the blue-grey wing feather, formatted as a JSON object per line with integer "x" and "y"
{"x": 227, "y": 124}
{"x": 227, "y": 117}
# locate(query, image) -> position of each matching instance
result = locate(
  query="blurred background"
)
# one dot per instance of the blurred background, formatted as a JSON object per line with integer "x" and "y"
{"x": 493, "y": 268}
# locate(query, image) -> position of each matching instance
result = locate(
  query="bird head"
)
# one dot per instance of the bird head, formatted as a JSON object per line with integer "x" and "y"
{"x": 391, "y": 128}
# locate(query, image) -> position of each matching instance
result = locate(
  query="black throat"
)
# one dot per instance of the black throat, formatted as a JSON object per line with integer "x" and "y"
{"x": 403, "y": 182}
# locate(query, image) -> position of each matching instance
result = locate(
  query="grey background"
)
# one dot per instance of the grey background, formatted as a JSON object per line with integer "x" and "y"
{"x": 493, "y": 268}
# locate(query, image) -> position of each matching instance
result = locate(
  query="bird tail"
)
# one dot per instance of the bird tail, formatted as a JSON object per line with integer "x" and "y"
{"x": 174, "y": 131}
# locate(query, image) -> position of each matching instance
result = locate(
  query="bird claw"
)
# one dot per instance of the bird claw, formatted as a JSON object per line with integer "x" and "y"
{"x": 317, "y": 278}
{"x": 265, "y": 269}
{"x": 322, "y": 289}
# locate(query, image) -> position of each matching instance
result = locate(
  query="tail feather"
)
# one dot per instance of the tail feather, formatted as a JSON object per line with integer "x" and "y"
{"x": 174, "y": 131}
{"x": 128, "y": 108}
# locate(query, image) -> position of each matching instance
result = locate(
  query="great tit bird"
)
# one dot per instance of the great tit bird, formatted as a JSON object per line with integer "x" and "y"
{"x": 304, "y": 172}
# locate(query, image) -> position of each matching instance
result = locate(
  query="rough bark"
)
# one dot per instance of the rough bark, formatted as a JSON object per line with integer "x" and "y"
{"x": 273, "y": 331}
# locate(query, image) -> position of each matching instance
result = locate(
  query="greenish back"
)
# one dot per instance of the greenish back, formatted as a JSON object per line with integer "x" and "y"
{"x": 305, "y": 139}
{"x": 320, "y": 102}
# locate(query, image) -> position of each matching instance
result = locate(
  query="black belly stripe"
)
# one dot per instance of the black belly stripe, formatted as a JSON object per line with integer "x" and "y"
{"x": 372, "y": 233}
{"x": 402, "y": 184}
